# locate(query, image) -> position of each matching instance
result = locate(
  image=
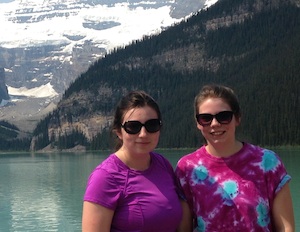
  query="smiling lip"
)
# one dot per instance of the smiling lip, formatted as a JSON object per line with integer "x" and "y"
{"x": 216, "y": 133}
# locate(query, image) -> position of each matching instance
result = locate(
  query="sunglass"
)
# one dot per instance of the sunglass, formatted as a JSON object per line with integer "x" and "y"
{"x": 134, "y": 127}
{"x": 223, "y": 117}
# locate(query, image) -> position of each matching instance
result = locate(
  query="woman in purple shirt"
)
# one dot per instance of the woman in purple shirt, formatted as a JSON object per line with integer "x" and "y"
{"x": 134, "y": 189}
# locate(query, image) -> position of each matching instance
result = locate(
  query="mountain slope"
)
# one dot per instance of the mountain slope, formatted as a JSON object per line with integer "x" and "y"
{"x": 50, "y": 43}
{"x": 54, "y": 41}
{"x": 252, "y": 46}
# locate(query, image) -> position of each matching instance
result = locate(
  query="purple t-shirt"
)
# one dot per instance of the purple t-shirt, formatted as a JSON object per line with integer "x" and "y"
{"x": 234, "y": 193}
{"x": 143, "y": 201}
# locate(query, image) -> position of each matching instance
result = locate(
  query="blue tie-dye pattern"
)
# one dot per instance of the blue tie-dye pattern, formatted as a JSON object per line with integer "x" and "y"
{"x": 199, "y": 174}
{"x": 263, "y": 218}
{"x": 285, "y": 179}
{"x": 211, "y": 180}
{"x": 201, "y": 224}
{"x": 269, "y": 161}
{"x": 252, "y": 202}
{"x": 229, "y": 192}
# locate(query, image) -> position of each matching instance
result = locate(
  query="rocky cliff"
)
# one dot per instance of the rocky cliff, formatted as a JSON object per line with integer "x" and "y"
{"x": 188, "y": 58}
{"x": 3, "y": 88}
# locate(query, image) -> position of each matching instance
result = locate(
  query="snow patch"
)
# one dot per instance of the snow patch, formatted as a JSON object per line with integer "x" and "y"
{"x": 42, "y": 91}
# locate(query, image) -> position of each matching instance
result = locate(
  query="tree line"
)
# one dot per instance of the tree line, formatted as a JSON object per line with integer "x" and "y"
{"x": 258, "y": 58}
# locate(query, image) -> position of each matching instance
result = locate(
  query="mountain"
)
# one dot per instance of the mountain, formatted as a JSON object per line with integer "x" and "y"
{"x": 3, "y": 87}
{"x": 50, "y": 43}
{"x": 251, "y": 45}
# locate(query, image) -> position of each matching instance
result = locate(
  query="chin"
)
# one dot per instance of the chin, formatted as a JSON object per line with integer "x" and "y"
{"x": 217, "y": 141}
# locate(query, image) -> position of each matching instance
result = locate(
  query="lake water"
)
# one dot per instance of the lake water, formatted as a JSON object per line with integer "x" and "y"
{"x": 43, "y": 192}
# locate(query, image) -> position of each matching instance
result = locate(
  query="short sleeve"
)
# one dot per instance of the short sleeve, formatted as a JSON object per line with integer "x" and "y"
{"x": 102, "y": 189}
{"x": 275, "y": 171}
{"x": 284, "y": 181}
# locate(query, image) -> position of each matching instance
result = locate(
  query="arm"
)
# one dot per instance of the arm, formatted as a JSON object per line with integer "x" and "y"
{"x": 186, "y": 222}
{"x": 96, "y": 218}
{"x": 282, "y": 211}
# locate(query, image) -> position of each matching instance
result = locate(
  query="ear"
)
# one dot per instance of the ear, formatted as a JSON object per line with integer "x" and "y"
{"x": 199, "y": 126}
{"x": 119, "y": 134}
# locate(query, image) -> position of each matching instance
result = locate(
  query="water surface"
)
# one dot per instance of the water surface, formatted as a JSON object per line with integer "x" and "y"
{"x": 43, "y": 192}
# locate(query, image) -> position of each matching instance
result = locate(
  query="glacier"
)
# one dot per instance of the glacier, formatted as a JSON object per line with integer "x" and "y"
{"x": 45, "y": 45}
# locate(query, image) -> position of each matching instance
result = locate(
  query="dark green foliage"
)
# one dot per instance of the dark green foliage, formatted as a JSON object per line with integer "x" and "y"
{"x": 71, "y": 140}
{"x": 255, "y": 35}
{"x": 258, "y": 58}
{"x": 8, "y": 131}
{"x": 9, "y": 140}
{"x": 261, "y": 63}
{"x": 42, "y": 126}
{"x": 15, "y": 144}
{"x": 102, "y": 140}
{"x": 8, "y": 125}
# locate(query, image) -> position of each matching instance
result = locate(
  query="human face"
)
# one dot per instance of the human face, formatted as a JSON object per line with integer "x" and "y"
{"x": 142, "y": 142}
{"x": 217, "y": 134}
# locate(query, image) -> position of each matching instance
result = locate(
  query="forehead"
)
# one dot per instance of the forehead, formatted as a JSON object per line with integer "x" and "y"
{"x": 213, "y": 106}
{"x": 140, "y": 114}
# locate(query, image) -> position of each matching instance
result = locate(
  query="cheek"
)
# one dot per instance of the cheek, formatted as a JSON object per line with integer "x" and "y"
{"x": 201, "y": 128}
{"x": 155, "y": 137}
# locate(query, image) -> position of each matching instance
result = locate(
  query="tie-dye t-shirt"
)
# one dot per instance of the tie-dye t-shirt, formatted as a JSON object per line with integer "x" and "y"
{"x": 233, "y": 193}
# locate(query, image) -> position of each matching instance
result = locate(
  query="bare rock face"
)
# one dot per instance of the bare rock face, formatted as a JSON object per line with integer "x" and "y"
{"x": 3, "y": 88}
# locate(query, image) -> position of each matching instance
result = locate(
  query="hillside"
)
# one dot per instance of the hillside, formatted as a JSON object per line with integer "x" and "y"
{"x": 252, "y": 46}
{"x": 54, "y": 41}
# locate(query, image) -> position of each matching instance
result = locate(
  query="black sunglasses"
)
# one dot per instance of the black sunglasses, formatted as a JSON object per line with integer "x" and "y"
{"x": 223, "y": 117}
{"x": 134, "y": 127}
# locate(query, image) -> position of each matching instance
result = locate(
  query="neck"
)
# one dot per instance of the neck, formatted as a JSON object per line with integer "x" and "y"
{"x": 138, "y": 162}
{"x": 224, "y": 151}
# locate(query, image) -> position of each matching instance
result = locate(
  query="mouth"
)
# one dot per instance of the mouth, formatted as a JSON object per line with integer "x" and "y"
{"x": 143, "y": 142}
{"x": 217, "y": 133}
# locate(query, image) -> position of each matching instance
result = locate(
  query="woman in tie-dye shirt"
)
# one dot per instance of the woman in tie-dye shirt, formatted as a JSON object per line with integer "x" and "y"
{"x": 231, "y": 185}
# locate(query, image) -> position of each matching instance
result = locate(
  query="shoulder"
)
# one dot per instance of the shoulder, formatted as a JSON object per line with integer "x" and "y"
{"x": 252, "y": 147}
{"x": 110, "y": 170}
{"x": 106, "y": 165}
{"x": 106, "y": 183}
{"x": 258, "y": 151}
{"x": 191, "y": 157}
{"x": 106, "y": 179}
{"x": 254, "y": 151}
{"x": 269, "y": 160}
{"x": 188, "y": 162}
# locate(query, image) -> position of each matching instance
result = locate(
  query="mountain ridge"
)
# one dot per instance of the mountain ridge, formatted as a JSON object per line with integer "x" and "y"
{"x": 253, "y": 49}
{"x": 53, "y": 42}
{"x": 168, "y": 61}
{"x": 34, "y": 52}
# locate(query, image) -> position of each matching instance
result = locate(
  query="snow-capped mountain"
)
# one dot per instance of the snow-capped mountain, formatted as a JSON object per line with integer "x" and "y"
{"x": 45, "y": 45}
{"x": 53, "y": 41}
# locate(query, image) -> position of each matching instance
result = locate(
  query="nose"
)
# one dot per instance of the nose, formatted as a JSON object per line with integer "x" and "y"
{"x": 143, "y": 132}
{"x": 215, "y": 122}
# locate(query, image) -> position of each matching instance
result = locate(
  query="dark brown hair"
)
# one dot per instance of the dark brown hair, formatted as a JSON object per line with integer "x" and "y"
{"x": 218, "y": 91}
{"x": 134, "y": 99}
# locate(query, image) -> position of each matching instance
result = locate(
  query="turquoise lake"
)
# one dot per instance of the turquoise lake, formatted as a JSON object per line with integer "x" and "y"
{"x": 43, "y": 192}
